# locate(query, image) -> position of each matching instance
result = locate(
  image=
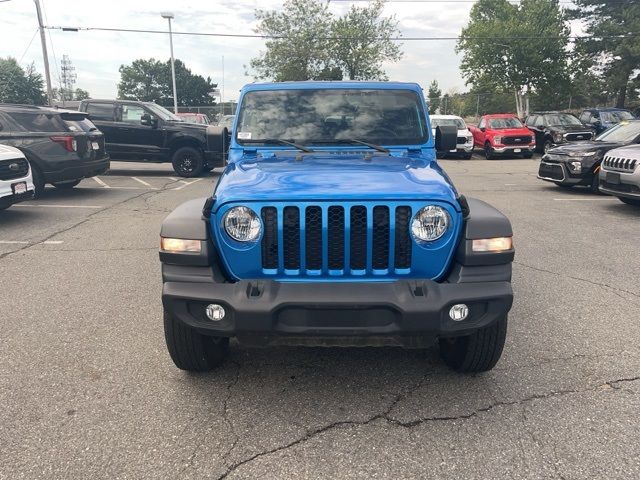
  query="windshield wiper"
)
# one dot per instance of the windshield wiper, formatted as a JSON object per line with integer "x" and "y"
{"x": 278, "y": 141}
{"x": 357, "y": 142}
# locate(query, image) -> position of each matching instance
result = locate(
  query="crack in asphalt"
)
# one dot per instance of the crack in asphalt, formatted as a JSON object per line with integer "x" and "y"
{"x": 385, "y": 416}
{"x": 614, "y": 290}
{"x": 89, "y": 217}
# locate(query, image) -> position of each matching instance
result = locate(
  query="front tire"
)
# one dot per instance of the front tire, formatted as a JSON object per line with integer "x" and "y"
{"x": 488, "y": 152}
{"x": 478, "y": 352}
{"x": 67, "y": 184}
{"x": 467, "y": 156}
{"x": 38, "y": 181}
{"x": 187, "y": 162}
{"x": 595, "y": 184}
{"x": 630, "y": 201}
{"x": 191, "y": 350}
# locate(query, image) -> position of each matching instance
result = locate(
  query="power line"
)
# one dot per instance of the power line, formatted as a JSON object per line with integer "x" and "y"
{"x": 28, "y": 46}
{"x": 283, "y": 37}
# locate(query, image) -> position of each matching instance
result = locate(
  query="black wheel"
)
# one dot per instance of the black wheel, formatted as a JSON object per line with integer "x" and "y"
{"x": 595, "y": 184}
{"x": 191, "y": 350}
{"x": 630, "y": 201}
{"x": 67, "y": 184}
{"x": 187, "y": 162}
{"x": 478, "y": 352}
{"x": 546, "y": 146}
{"x": 488, "y": 152}
{"x": 467, "y": 156}
{"x": 38, "y": 181}
{"x": 527, "y": 155}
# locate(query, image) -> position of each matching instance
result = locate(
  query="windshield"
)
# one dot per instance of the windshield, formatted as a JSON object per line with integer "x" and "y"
{"x": 499, "y": 123}
{"x": 194, "y": 118}
{"x": 561, "y": 119}
{"x": 324, "y": 116}
{"x": 454, "y": 122}
{"x": 615, "y": 116}
{"x": 622, "y": 132}
{"x": 162, "y": 112}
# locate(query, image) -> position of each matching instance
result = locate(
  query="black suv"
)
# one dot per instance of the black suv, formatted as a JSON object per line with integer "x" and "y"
{"x": 62, "y": 146}
{"x": 555, "y": 128}
{"x": 144, "y": 131}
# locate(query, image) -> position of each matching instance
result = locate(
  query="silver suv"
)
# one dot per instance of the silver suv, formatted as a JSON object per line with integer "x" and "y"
{"x": 620, "y": 174}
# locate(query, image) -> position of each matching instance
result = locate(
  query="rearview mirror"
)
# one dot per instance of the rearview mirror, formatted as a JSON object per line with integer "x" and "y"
{"x": 446, "y": 138}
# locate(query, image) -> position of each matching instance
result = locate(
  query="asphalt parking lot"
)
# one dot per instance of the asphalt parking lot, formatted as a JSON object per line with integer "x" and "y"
{"x": 88, "y": 390}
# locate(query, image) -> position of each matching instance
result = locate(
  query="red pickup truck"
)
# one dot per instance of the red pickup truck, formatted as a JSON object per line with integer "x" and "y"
{"x": 503, "y": 133}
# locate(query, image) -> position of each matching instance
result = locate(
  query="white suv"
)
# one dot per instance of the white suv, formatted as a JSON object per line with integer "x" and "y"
{"x": 464, "y": 145}
{"x": 620, "y": 174}
{"x": 16, "y": 183}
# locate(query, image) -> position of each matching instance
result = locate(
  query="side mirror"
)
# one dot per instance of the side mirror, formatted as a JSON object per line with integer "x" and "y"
{"x": 446, "y": 138}
{"x": 482, "y": 129}
{"x": 146, "y": 120}
{"x": 218, "y": 139}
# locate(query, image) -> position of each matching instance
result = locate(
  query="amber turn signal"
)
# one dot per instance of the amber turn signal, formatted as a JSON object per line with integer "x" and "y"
{"x": 180, "y": 245}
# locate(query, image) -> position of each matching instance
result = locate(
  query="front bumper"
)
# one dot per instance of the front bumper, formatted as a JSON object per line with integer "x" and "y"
{"x": 620, "y": 184}
{"x": 397, "y": 311}
{"x": 513, "y": 148}
{"x": 559, "y": 173}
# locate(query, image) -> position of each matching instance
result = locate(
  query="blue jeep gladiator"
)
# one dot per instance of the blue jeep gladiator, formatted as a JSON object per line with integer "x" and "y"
{"x": 334, "y": 225}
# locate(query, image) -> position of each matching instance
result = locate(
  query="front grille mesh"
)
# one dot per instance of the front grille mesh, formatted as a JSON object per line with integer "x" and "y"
{"x": 318, "y": 239}
{"x": 517, "y": 140}
{"x": 12, "y": 169}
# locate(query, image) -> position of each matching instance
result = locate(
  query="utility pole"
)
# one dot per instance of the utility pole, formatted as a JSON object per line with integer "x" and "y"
{"x": 222, "y": 92}
{"x": 45, "y": 57}
{"x": 169, "y": 16}
{"x": 67, "y": 80}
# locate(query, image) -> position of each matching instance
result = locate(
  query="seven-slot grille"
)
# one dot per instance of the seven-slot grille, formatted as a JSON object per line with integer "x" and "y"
{"x": 337, "y": 239}
{"x": 620, "y": 163}
{"x": 11, "y": 169}
{"x": 517, "y": 140}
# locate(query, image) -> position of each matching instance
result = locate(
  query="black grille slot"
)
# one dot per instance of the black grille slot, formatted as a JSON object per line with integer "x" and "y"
{"x": 461, "y": 140}
{"x": 402, "y": 238}
{"x": 313, "y": 238}
{"x": 380, "y": 237}
{"x": 291, "y": 238}
{"x": 336, "y": 238}
{"x": 576, "y": 137}
{"x": 358, "y": 240}
{"x": 10, "y": 169}
{"x": 517, "y": 140}
{"x": 270, "y": 238}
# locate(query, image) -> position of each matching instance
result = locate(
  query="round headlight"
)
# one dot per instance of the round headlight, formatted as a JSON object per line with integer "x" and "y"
{"x": 430, "y": 223}
{"x": 242, "y": 224}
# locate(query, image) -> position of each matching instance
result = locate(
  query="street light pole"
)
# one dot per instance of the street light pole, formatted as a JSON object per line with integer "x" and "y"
{"x": 45, "y": 56}
{"x": 169, "y": 16}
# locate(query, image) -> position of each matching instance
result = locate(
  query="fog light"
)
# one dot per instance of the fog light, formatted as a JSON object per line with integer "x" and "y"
{"x": 575, "y": 167}
{"x": 459, "y": 312}
{"x": 215, "y": 312}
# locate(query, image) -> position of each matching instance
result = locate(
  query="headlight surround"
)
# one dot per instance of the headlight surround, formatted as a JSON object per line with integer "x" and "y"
{"x": 242, "y": 224}
{"x": 430, "y": 223}
{"x": 497, "y": 140}
{"x": 582, "y": 154}
{"x": 558, "y": 137}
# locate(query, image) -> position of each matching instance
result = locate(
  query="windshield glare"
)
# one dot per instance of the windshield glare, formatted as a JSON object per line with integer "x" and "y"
{"x": 324, "y": 116}
{"x": 498, "y": 123}
{"x": 615, "y": 117}
{"x": 561, "y": 119}
{"x": 454, "y": 122}
{"x": 622, "y": 132}
{"x": 162, "y": 112}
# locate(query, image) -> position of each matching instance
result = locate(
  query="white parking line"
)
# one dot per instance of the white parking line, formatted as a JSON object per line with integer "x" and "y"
{"x": 142, "y": 182}
{"x": 100, "y": 182}
{"x": 32, "y": 205}
{"x": 186, "y": 184}
{"x": 22, "y": 242}
{"x": 134, "y": 188}
{"x": 585, "y": 199}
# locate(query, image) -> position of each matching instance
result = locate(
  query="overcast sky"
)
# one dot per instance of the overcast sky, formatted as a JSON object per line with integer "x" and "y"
{"x": 97, "y": 55}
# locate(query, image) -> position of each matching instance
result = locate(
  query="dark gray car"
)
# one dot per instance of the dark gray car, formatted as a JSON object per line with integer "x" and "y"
{"x": 62, "y": 146}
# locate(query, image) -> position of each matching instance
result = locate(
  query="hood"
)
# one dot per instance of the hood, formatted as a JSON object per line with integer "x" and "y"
{"x": 578, "y": 147}
{"x": 506, "y": 132}
{"x": 358, "y": 176}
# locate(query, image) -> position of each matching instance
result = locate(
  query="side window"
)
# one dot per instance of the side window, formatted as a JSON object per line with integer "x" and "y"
{"x": 101, "y": 111}
{"x": 132, "y": 113}
{"x": 539, "y": 121}
{"x": 584, "y": 118}
{"x": 482, "y": 123}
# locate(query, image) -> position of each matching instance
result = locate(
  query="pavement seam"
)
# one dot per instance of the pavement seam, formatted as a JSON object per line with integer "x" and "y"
{"x": 612, "y": 384}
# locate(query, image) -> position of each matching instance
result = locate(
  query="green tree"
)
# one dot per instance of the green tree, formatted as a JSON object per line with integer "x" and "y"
{"x": 362, "y": 41}
{"x": 150, "y": 81}
{"x": 434, "y": 95}
{"x": 81, "y": 94}
{"x": 18, "y": 85}
{"x": 300, "y": 49}
{"x": 307, "y": 43}
{"x": 610, "y": 44}
{"x": 516, "y": 47}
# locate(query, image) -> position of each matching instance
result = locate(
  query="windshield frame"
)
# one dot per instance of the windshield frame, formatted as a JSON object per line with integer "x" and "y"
{"x": 420, "y": 105}
{"x": 616, "y": 128}
{"x": 162, "y": 113}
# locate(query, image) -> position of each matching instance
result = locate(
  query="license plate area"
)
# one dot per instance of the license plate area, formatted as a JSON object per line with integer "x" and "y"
{"x": 517, "y": 150}
{"x": 613, "y": 178}
{"x": 19, "y": 188}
